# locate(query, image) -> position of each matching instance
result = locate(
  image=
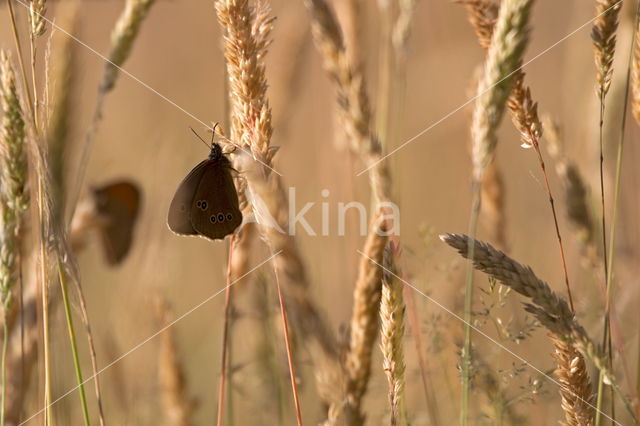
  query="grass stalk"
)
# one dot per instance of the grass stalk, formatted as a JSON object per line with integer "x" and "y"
{"x": 603, "y": 35}
{"x": 72, "y": 341}
{"x": 225, "y": 338}
{"x": 504, "y": 56}
{"x": 285, "y": 329}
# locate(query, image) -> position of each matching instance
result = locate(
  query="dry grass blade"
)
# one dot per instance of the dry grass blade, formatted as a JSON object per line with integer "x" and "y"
{"x": 575, "y": 386}
{"x": 391, "y": 339}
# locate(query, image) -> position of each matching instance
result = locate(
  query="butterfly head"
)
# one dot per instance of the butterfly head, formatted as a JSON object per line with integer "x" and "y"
{"x": 216, "y": 152}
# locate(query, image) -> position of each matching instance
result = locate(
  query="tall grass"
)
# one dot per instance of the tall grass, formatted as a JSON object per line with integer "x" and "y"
{"x": 376, "y": 354}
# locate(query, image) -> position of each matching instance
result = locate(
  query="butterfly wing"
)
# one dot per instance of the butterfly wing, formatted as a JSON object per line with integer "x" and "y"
{"x": 179, "y": 219}
{"x": 118, "y": 203}
{"x": 215, "y": 211}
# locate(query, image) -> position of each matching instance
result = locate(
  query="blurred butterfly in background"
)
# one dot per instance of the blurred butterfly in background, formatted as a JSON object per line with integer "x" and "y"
{"x": 206, "y": 202}
{"x": 117, "y": 206}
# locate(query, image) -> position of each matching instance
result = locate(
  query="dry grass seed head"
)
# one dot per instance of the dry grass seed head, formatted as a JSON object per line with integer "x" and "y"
{"x": 603, "y": 35}
{"x": 575, "y": 386}
{"x": 37, "y": 10}
{"x": 392, "y": 310}
{"x": 503, "y": 59}
{"x": 551, "y": 310}
{"x": 122, "y": 37}
{"x": 13, "y": 177}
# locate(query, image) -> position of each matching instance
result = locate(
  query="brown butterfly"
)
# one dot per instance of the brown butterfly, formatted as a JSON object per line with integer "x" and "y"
{"x": 206, "y": 202}
{"x": 117, "y": 205}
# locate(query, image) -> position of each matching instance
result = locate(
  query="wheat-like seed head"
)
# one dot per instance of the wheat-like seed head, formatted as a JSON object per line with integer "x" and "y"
{"x": 575, "y": 386}
{"x": 482, "y": 16}
{"x": 603, "y": 35}
{"x": 524, "y": 112}
{"x": 353, "y": 102}
{"x": 122, "y": 37}
{"x": 503, "y": 59}
{"x": 391, "y": 336}
{"x": 37, "y": 9}
{"x": 551, "y": 310}
{"x": 364, "y": 321}
{"x": 13, "y": 192}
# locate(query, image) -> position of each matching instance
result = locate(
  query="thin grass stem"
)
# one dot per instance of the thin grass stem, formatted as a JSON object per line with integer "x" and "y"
{"x": 72, "y": 342}
{"x": 225, "y": 338}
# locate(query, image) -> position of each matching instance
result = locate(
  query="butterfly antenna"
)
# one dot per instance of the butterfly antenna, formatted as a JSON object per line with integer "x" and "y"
{"x": 196, "y": 133}
{"x": 213, "y": 131}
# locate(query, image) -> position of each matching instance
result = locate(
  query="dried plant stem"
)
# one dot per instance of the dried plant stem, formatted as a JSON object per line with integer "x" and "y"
{"x": 609, "y": 257}
{"x": 468, "y": 303}
{"x": 603, "y": 35}
{"x": 92, "y": 348}
{"x": 285, "y": 329}
{"x": 44, "y": 292}
{"x": 225, "y": 337}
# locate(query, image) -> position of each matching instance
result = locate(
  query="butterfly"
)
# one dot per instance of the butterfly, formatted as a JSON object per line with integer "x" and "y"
{"x": 117, "y": 205}
{"x": 206, "y": 202}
